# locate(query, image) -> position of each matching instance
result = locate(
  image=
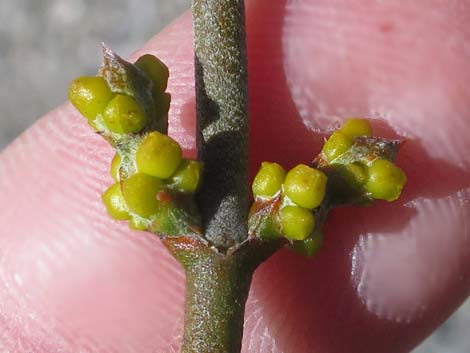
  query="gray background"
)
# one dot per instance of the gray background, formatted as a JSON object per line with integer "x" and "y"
{"x": 38, "y": 36}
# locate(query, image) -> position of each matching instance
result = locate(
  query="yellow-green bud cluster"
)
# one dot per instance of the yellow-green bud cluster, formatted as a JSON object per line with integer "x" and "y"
{"x": 105, "y": 110}
{"x": 149, "y": 170}
{"x": 357, "y": 168}
{"x": 379, "y": 177}
{"x": 300, "y": 190}
{"x": 161, "y": 173}
{"x": 115, "y": 112}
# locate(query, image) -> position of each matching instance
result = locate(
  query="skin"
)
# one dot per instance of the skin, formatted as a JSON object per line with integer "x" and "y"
{"x": 71, "y": 278}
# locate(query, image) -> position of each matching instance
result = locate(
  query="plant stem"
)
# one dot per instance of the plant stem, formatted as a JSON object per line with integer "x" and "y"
{"x": 222, "y": 118}
{"x": 219, "y": 273}
{"x": 217, "y": 287}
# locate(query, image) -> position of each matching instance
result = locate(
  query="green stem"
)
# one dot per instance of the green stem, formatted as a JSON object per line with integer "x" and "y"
{"x": 216, "y": 292}
{"x": 217, "y": 287}
{"x": 222, "y": 118}
{"x": 219, "y": 273}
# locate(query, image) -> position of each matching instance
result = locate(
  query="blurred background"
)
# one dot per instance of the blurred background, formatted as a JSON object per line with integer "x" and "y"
{"x": 44, "y": 44}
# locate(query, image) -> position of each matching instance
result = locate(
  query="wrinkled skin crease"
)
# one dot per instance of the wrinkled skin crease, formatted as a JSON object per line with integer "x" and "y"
{"x": 71, "y": 279}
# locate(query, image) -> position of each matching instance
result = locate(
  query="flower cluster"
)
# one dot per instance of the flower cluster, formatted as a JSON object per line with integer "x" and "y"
{"x": 353, "y": 167}
{"x": 128, "y": 105}
{"x": 378, "y": 175}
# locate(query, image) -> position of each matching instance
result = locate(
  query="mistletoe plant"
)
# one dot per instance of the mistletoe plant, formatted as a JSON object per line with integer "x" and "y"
{"x": 199, "y": 208}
